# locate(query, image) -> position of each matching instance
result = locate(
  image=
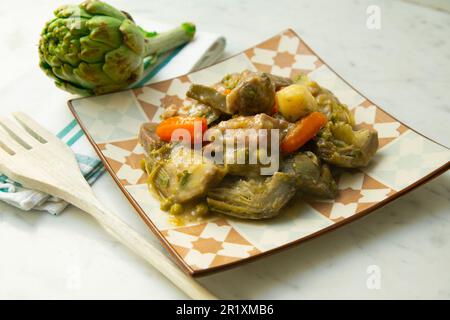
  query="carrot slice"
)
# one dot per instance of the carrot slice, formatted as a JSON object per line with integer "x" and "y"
{"x": 168, "y": 126}
{"x": 304, "y": 130}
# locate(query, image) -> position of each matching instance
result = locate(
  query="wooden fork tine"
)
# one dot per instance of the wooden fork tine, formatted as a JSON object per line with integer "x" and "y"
{"x": 33, "y": 128}
{"x": 10, "y": 142}
{"x": 3, "y": 153}
{"x": 17, "y": 132}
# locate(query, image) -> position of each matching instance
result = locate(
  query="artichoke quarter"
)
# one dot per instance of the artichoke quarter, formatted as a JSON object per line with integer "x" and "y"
{"x": 339, "y": 145}
{"x": 180, "y": 174}
{"x": 312, "y": 177}
{"x": 93, "y": 48}
{"x": 249, "y": 198}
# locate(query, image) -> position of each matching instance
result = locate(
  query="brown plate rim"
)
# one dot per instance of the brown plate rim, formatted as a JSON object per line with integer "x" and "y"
{"x": 203, "y": 272}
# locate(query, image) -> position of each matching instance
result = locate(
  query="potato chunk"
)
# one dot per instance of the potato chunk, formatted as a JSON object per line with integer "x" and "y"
{"x": 295, "y": 102}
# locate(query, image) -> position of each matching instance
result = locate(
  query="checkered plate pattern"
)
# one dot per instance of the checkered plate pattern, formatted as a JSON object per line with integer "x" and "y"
{"x": 405, "y": 159}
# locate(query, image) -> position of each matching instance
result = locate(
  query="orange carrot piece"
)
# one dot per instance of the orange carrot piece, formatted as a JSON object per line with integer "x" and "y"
{"x": 168, "y": 126}
{"x": 305, "y": 129}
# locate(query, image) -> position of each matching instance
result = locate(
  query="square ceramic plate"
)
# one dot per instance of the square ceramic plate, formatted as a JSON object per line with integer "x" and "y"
{"x": 404, "y": 161}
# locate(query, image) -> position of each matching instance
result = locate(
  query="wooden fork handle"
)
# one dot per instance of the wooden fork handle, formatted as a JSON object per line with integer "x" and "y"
{"x": 135, "y": 242}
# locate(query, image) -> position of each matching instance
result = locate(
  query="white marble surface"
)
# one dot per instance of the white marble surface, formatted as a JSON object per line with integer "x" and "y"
{"x": 404, "y": 67}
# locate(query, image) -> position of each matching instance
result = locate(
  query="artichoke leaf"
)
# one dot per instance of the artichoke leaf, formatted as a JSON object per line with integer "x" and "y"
{"x": 105, "y": 30}
{"x": 209, "y": 96}
{"x": 93, "y": 51}
{"x": 77, "y": 26}
{"x": 107, "y": 88}
{"x": 95, "y": 7}
{"x": 69, "y": 87}
{"x": 65, "y": 72}
{"x": 71, "y": 10}
{"x": 60, "y": 27}
{"x": 47, "y": 69}
{"x": 133, "y": 76}
{"x": 69, "y": 52}
{"x": 132, "y": 37}
{"x": 52, "y": 60}
{"x": 53, "y": 26}
{"x": 120, "y": 64}
{"x": 92, "y": 75}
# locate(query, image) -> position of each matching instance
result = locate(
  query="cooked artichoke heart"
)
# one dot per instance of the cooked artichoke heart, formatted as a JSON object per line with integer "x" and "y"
{"x": 312, "y": 177}
{"x": 184, "y": 175}
{"x": 252, "y": 198}
{"x": 341, "y": 146}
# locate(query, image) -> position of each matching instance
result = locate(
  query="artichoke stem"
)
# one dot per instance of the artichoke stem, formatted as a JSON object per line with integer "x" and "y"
{"x": 166, "y": 41}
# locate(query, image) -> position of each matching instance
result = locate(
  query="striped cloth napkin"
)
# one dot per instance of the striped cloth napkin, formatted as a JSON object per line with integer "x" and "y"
{"x": 203, "y": 51}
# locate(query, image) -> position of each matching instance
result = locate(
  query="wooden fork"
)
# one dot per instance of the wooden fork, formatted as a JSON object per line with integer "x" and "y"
{"x": 34, "y": 157}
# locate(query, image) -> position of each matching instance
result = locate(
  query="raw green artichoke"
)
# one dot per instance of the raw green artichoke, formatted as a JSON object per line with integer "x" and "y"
{"x": 93, "y": 48}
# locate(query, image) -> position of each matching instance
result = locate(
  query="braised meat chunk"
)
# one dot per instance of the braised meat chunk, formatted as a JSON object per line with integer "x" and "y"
{"x": 250, "y": 93}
